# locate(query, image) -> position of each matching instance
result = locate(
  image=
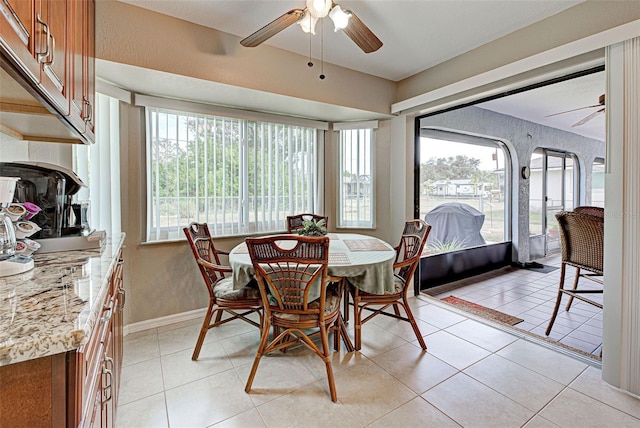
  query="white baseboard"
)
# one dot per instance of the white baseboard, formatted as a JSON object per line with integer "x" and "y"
{"x": 162, "y": 321}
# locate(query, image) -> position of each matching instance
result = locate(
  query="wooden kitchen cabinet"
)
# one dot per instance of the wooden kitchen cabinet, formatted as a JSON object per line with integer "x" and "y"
{"x": 82, "y": 109}
{"x": 52, "y": 32}
{"x": 51, "y": 44}
{"x": 101, "y": 361}
{"x": 77, "y": 388}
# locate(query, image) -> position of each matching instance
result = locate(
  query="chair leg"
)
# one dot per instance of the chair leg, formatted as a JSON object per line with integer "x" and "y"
{"x": 264, "y": 338}
{"x": 558, "y": 299}
{"x": 203, "y": 330}
{"x": 412, "y": 321}
{"x": 340, "y": 332}
{"x": 345, "y": 301}
{"x": 327, "y": 361}
{"x": 357, "y": 328}
{"x": 396, "y": 310}
{"x": 575, "y": 287}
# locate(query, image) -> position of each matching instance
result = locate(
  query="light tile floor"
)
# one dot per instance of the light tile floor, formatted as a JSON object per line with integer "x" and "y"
{"x": 473, "y": 375}
{"x": 531, "y": 295}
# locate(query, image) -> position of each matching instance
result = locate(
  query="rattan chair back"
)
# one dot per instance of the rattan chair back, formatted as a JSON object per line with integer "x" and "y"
{"x": 408, "y": 256}
{"x": 416, "y": 227}
{"x": 594, "y": 211}
{"x": 288, "y": 266}
{"x": 582, "y": 240}
{"x": 296, "y": 222}
{"x": 203, "y": 248}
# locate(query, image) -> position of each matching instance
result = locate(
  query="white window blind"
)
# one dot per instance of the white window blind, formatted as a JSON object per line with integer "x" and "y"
{"x": 98, "y": 165}
{"x": 239, "y": 176}
{"x": 356, "y": 190}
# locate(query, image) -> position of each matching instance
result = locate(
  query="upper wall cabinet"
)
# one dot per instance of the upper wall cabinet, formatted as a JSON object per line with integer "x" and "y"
{"x": 83, "y": 60}
{"x": 49, "y": 44}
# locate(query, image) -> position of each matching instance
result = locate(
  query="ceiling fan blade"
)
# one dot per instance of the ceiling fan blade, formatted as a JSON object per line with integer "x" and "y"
{"x": 272, "y": 28}
{"x": 588, "y": 118}
{"x": 361, "y": 35}
{"x": 575, "y": 109}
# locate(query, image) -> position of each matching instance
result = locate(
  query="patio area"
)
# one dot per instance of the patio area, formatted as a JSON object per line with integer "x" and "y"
{"x": 531, "y": 295}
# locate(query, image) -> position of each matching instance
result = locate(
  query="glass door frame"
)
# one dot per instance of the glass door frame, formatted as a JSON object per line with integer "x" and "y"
{"x": 548, "y": 210}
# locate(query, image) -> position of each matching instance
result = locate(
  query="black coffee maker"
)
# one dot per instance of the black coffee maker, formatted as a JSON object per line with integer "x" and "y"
{"x": 52, "y": 188}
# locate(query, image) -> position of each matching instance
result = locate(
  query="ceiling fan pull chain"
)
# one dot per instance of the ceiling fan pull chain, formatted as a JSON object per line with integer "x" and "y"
{"x": 310, "y": 63}
{"x": 322, "y": 51}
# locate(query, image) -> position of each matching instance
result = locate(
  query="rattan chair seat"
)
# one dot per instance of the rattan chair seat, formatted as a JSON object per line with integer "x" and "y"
{"x": 223, "y": 289}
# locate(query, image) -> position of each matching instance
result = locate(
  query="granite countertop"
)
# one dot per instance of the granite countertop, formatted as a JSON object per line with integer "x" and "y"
{"x": 52, "y": 308}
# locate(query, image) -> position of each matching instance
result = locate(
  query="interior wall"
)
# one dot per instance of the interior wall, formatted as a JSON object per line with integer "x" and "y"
{"x": 131, "y": 35}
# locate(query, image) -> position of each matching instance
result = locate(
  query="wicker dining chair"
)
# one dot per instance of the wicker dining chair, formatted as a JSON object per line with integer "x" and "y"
{"x": 222, "y": 297}
{"x": 582, "y": 240}
{"x": 296, "y": 222}
{"x": 288, "y": 268}
{"x": 408, "y": 254}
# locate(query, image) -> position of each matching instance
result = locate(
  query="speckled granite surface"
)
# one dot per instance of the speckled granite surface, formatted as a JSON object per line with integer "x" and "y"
{"x": 52, "y": 308}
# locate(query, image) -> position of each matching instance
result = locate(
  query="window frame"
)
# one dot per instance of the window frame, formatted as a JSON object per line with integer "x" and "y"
{"x": 341, "y": 128}
{"x": 172, "y": 232}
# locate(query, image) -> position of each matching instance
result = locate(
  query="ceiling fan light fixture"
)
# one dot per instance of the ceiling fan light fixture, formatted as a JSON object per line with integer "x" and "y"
{"x": 308, "y": 23}
{"x": 319, "y": 8}
{"x": 339, "y": 17}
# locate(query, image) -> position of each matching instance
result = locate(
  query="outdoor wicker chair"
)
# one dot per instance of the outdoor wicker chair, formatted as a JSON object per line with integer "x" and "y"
{"x": 582, "y": 240}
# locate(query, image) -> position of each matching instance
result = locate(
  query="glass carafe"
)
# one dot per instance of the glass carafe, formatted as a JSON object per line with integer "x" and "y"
{"x": 7, "y": 237}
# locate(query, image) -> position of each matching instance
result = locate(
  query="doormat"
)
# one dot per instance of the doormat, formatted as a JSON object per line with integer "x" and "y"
{"x": 482, "y": 311}
{"x": 538, "y": 267}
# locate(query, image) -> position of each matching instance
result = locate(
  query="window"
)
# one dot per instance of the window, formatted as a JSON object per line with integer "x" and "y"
{"x": 463, "y": 190}
{"x": 597, "y": 183}
{"x": 356, "y": 177}
{"x": 240, "y": 176}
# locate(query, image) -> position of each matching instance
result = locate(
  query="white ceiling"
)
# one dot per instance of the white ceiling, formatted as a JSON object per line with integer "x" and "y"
{"x": 536, "y": 104}
{"x": 417, "y": 34}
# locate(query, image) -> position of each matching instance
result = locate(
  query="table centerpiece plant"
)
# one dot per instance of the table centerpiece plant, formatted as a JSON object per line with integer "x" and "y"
{"x": 313, "y": 228}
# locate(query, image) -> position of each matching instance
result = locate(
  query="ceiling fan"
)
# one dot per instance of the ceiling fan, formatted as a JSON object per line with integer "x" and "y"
{"x": 590, "y": 116}
{"x": 343, "y": 19}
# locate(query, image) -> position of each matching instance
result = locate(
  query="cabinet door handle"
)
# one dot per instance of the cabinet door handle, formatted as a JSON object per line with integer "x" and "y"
{"x": 107, "y": 387}
{"x": 108, "y": 315}
{"x": 109, "y": 360}
{"x": 89, "y": 116}
{"x": 45, "y": 28}
{"x": 53, "y": 50}
{"x": 123, "y": 293}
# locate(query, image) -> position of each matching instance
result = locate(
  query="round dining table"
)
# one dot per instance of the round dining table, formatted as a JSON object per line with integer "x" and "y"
{"x": 366, "y": 262}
